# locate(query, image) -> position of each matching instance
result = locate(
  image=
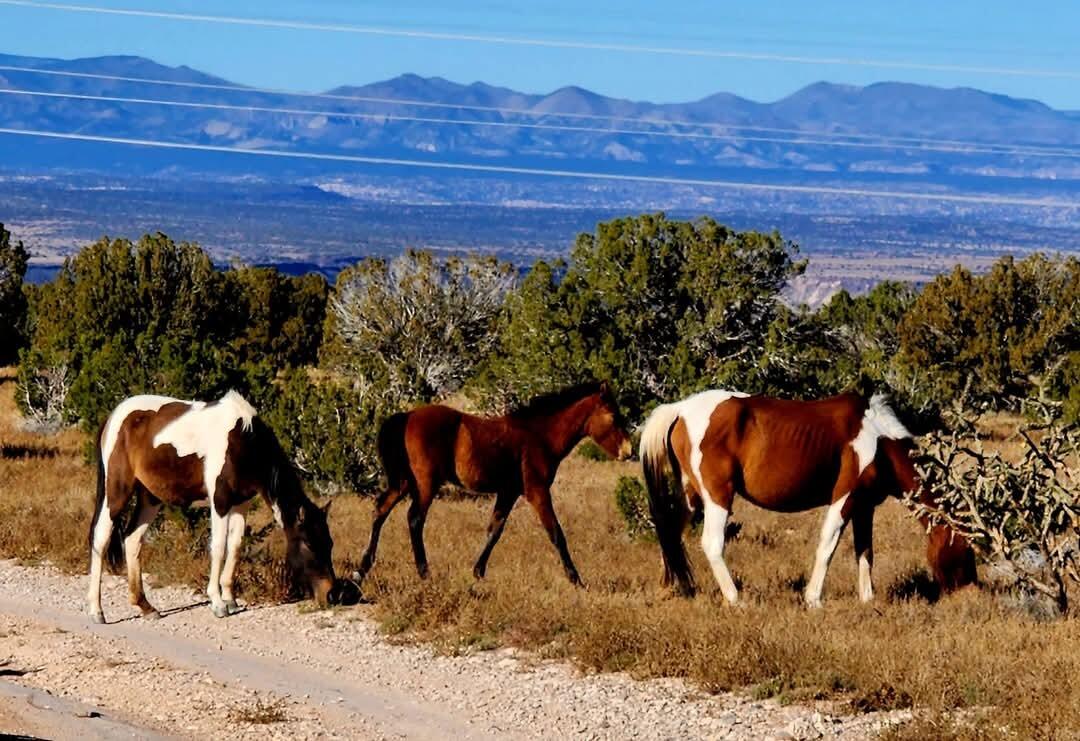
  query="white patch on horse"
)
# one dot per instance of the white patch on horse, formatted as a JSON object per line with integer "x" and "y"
{"x": 696, "y": 411}
{"x": 111, "y": 432}
{"x": 878, "y": 421}
{"x": 204, "y": 430}
{"x": 277, "y": 515}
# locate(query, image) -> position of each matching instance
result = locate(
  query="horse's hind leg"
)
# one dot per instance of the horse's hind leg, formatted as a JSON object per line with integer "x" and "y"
{"x": 540, "y": 498}
{"x": 146, "y": 510}
{"x": 384, "y": 504}
{"x": 418, "y": 510}
{"x": 718, "y": 495}
{"x": 118, "y": 489}
{"x": 862, "y": 526}
{"x": 504, "y": 502}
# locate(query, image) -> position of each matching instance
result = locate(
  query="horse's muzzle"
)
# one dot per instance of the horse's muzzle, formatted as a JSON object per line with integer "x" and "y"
{"x": 625, "y": 450}
{"x": 344, "y": 592}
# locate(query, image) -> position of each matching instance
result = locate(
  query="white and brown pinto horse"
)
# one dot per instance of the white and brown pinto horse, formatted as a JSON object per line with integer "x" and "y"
{"x": 163, "y": 450}
{"x": 846, "y": 452}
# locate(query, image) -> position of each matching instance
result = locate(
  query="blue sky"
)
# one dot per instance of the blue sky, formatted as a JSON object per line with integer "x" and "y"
{"x": 1035, "y": 34}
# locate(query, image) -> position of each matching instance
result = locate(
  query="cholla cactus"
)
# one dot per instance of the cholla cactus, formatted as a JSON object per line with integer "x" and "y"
{"x": 1011, "y": 511}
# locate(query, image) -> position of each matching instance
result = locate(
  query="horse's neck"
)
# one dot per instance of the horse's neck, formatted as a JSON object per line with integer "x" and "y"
{"x": 286, "y": 499}
{"x": 562, "y": 430}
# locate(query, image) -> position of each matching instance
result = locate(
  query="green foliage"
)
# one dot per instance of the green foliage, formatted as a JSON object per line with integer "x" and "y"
{"x": 659, "y": 307}
{"x": 415, "y": 325}
{"x": 13, "y": 261}
{"x": 327, "y": 427}
{"x": 1005, "y": 333}
{"x": 157, "y": 317}
{"x": 590, "y": 451}
{"x": 632, "y": 501}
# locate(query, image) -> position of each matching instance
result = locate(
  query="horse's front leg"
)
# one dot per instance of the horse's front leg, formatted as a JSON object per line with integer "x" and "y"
{"x": 219, "y": 532}
{"x": 234, "y": 534}
{"x": 835, "y": 520}
{"x": 862, "y": 526}
{"x": 540, "y": 498}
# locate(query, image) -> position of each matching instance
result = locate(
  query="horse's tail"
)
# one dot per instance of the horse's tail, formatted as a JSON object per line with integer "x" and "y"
{"x": 390, "y": 444}
{"x": 114, "y": 556}
{"x": 667, "y": 508}
{"x": 951, "y": 557}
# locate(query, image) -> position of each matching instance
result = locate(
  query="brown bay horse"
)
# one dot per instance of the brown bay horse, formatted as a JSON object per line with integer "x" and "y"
{"x": 162, "y": 450}
{"x": 512, "y": 456}
{"x": 845, "y": 452}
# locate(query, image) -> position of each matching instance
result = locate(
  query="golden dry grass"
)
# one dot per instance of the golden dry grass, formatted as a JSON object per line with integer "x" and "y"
{"x": 968, "y": 651}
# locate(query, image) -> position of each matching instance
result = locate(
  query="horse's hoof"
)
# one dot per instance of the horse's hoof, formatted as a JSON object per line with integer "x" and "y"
{"x": 151, "y": 615}
{"x": 478, "y": 574}
{"x": 231, "y": 607}
{"x": 97, "y": 618}
{"x": 219, "y": 611}
{"x": 423, "y": 572}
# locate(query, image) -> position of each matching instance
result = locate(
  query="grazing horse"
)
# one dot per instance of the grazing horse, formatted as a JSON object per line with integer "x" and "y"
{"x": 511, "y": 456}
{"x": 163, "y": 450}
{"x": 786, "y": 456}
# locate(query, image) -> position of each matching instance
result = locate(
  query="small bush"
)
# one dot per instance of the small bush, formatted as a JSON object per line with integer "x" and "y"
{"x": 632, "y": 501}
{"x": 590, "y": 451}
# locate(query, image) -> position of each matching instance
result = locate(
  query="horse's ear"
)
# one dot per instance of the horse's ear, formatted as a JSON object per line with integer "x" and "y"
{"x": 326, "y": 509}
{"x": 605, "y": 388}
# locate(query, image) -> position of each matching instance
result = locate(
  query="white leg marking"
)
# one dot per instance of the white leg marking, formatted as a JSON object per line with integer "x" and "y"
{"x": 132, "y": 547}
{"x": 218, "y": 539}
{"x": 102, "y": 531}
{"x": 712, "y": 542}
{"x": 866, "y": 586}
{"x": 830, "y": 536}
{"x": 235, "y": 532}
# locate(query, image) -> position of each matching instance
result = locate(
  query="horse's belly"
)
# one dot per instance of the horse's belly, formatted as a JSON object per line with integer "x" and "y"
{"x": 785, "y": 490}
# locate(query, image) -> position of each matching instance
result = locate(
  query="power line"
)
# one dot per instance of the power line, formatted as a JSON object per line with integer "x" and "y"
{"x": 547, "y": 43}
{"x": 579, "y": 175}
{"x": 802, "y": 142}
{"x": 646, "y": 121}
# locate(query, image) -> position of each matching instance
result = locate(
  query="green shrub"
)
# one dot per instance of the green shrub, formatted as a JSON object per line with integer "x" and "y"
{"x": 590, "y": 451}
{"x": 327, "y": 427}
{"x": 632, "y": 501}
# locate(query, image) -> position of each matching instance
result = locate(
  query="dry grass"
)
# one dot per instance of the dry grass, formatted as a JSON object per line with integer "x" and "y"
{"x": 968, "y": 651}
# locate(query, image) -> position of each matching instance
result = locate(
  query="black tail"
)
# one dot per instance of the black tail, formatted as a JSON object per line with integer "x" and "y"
{"x": 668, "y": 510}
{"x": 391, "y": 447}
{"x": 114, "y": 555}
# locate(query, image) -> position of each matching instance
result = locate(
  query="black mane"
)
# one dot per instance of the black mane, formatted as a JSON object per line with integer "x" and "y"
{"x": 283, "y": 485}
{"x": 555, "y": 401}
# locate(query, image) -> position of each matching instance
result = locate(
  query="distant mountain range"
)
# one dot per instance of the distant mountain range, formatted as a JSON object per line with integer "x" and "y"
{"x": 961, "y": 132}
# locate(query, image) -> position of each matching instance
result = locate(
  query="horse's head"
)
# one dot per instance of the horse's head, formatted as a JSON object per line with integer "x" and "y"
{"x": 951, "y": 558}
{"x": 309, "y": 557}
{"x": 606, "y": 426}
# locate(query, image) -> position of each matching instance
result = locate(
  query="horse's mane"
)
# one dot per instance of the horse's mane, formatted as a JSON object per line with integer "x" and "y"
{"x": 555, "y": 401}
{"x": 283, "y": 485}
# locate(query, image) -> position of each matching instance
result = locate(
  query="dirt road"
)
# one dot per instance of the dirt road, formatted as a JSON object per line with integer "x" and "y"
{"x": 285, "y": 672}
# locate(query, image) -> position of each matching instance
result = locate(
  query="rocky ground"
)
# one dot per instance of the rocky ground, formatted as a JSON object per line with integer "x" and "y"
{"x": 285, "y": 671}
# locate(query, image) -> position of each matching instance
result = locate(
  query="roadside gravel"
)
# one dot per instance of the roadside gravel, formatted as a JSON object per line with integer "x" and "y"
{"x": 282, "y": 671}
